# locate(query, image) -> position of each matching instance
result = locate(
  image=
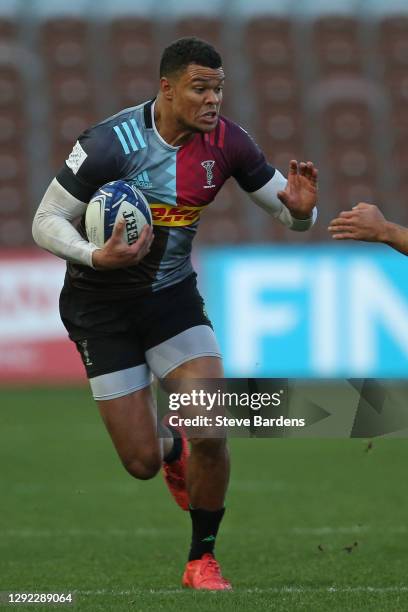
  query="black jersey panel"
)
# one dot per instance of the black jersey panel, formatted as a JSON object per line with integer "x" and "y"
{"x": 96, "y": 159}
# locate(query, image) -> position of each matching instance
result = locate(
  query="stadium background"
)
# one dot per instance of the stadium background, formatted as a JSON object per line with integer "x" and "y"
{"x": 322, "y": 80}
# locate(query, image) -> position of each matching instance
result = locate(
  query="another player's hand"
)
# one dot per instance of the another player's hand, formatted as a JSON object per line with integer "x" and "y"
{"x": 363, "y": 222}
{"x": 116, "y": 253}
{"x": 300, "y": 194}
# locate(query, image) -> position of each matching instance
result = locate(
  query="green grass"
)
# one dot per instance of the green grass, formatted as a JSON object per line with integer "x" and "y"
{"x": 72, "y": 519}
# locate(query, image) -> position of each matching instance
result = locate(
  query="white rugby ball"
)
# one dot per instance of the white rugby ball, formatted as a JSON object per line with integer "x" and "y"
{"x": 112, "y": 202}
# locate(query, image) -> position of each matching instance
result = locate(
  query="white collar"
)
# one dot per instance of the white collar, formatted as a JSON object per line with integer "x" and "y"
{"x": 156, "y": 131}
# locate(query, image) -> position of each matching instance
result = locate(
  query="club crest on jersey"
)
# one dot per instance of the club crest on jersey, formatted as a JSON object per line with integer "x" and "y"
{"x": 208, "y": 167}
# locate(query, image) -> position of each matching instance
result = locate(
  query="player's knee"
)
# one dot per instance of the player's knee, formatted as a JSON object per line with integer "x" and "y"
{"x": 144, "y": 467}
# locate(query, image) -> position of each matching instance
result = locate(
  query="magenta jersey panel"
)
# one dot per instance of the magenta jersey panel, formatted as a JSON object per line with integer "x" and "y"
{"x": 202, "y": 167}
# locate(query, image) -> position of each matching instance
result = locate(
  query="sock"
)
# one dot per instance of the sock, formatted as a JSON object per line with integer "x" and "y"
{"x": 205, "y": 529}
{"x": 177, "y": 447}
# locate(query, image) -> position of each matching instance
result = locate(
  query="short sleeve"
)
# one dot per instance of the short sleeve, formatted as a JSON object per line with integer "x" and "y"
{"x": 94, "y": 161}
{"x": 251, "y": 170}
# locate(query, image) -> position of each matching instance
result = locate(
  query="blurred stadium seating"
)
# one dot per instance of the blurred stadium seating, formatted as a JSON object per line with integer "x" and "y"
{"x": 327, "y": 82}
{"x": 14, "y": 212}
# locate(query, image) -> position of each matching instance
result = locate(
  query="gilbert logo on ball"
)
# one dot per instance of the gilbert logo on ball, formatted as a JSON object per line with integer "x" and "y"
{"x": 111, "y": 203}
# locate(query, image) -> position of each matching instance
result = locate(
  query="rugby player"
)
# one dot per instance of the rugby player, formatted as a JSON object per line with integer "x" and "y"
{"x": 135, "y": 310}
{"x": 366, "y": 222}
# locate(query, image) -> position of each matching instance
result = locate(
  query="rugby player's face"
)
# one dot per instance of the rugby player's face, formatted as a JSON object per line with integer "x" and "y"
{"x": 198, "y": 96}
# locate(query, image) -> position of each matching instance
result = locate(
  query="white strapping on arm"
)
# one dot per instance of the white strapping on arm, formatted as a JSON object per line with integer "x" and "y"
{"x": 53, "y": 229}
{"x": 267, "y": 198}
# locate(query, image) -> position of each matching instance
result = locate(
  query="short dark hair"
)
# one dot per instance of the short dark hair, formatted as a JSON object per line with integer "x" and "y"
{"x": 190, "y": 50}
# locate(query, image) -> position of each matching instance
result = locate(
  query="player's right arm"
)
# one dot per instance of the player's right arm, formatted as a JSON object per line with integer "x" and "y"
{"x": 93, "y": 162}
{"x": 366, "y": 222}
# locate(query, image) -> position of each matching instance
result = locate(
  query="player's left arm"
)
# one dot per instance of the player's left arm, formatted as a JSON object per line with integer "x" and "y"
{"x": 366, "y": 222}
{"x": 291, "y": 201}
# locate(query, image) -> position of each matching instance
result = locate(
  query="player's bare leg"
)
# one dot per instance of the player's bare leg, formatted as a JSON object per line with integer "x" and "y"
{"x": 131, "y": 421}
{"x": 208, "y": 455}
{"x": 207, "y": 480}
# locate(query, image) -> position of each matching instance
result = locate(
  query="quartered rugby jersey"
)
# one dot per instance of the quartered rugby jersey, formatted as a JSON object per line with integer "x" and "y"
{"x": 178, "y": 183}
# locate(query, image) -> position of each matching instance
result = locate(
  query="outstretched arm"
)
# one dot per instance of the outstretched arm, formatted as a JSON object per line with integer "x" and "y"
{"x": 366, "y": 222}
{"x": 300, "y": 193}
{"x": 293, "y": 200}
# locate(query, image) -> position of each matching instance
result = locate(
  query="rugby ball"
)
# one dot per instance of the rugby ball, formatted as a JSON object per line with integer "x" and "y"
{"x": 112, "y": 202}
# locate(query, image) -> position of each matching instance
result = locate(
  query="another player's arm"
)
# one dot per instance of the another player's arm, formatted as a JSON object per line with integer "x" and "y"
{"x": 366, "y": 222}
{"x": 66, "y": 199}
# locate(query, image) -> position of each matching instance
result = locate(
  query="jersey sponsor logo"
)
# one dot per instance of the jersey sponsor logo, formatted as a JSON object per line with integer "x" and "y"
{"x": 129, "y": 136}
{"x": 175, "y": 216}
{"x": 143, "y": 181}
{"x": 76, "y": 158}
{"x": 208, "y": 166}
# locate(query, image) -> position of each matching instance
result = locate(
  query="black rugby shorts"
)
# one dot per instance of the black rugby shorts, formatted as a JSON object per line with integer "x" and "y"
{"x": 115, "y": 334}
